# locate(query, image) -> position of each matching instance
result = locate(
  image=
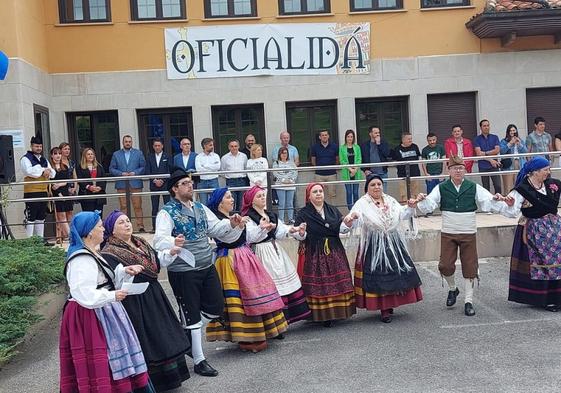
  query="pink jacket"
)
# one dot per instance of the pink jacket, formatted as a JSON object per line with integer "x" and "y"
{"x": 450, "y": 148}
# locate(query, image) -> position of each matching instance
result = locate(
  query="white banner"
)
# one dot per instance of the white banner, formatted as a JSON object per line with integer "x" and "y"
{"x": 274, "y": 49}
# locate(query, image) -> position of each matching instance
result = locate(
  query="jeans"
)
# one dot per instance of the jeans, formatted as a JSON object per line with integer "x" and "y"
{"x": 156, "y": 206}
{"x": 431, "y": 184}
{"x": 286, "y": 203}
{"x": 238, "y": 195}
{"x": 352, "y": 194}
{"x": 212, "y": 184}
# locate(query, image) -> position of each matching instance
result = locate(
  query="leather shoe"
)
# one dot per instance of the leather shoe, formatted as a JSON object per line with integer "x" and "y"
{"x": 205, "y": 369}
{"x": 469, "y": 310}
{"x": 552, "y": 307}
{"x": 386, "y": 316}
{"x": 452, "y": 295}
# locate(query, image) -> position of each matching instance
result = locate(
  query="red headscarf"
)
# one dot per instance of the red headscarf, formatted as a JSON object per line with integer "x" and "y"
{"x": 309, "y": 190}
{"x": 248, "y": 197}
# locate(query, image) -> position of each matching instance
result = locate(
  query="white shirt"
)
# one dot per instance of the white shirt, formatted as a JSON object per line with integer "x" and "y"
{"x": 207, "y": 163}
{"x": 158, "y": 158}
{"x": 35, "y": 171}
{"x": 230, "y": 162}
{"x": 257, "y": 178}
{"x": 83, "y": 277}
{"x": 164, "y": 241}
{"x": 461, "y": 223}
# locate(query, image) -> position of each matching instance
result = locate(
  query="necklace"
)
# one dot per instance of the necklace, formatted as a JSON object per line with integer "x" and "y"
{"x": 533, "y": 185}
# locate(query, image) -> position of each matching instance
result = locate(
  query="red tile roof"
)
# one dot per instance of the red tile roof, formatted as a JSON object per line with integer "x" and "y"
{"x": 519, "y": 5}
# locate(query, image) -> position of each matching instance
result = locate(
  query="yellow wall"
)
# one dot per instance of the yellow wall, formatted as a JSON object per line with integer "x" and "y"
{"x": 122, "y": 45}
{"x": 22, "y": 31}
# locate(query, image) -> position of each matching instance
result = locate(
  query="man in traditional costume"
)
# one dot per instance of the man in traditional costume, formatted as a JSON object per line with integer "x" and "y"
{"x": 458, "y": 199}
{"x": 182, "y": 231}
{"x": 35, "y": 167}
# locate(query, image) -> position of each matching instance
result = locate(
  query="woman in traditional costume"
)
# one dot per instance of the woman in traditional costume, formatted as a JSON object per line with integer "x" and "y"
{"x": 161, "y": 336}
{"x": 99, "y": 349}
{"x": 322, "y": 261}
{"x": 535, "y": 265}
{"x": 385, "y": 276}
{"x": 274, "y": 257}
{"x": 253, "y": 306}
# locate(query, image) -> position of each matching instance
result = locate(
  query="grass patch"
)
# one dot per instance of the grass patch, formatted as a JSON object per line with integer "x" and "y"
{"x": 27, "y": 269}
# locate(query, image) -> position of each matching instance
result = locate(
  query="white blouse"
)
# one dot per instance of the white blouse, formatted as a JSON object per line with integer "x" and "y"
{"x": 83, "y": 276}
{"x": 282, "y": 232}
{"x": 257, "y": 178}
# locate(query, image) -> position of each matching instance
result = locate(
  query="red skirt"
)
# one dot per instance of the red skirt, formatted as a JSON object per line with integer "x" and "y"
{"x": 84, "y": 364}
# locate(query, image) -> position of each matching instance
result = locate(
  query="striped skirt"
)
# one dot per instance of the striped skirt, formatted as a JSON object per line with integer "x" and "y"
{"x": 296, "y": 307}
{"x": 374, "y": 301}
{"x": 332, "y": 308}
{"x": 240, "y": 327}
{"x": 521, "y": 288}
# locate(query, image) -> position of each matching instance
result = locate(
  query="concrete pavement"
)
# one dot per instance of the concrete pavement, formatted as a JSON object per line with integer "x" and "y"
{"x": 506, "y": 347}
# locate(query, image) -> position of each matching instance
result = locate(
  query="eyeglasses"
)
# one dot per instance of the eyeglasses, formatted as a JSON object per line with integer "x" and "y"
{"x": 185, "y": 183}
{"x": 457, "y": 169}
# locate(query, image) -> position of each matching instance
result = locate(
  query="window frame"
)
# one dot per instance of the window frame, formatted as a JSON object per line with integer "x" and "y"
{"x": 398, "y": 6}
{"x": 145, "y": 143}
{"x": 159, "y": 11}
{"x": 39, "y": 110}
{"x": 303, "y": 7}
{"x": 231, "y": 14}
{"x": 62, "y": 6}
{"x": 393, "y": 140}
{"x": 424, "y": 5}
{"x": 258, "y": 132}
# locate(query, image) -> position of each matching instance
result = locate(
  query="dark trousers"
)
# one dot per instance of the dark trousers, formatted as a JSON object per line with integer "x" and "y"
{"x": 495, "y": 178}
{"x": 35, "y": 210}
{"x": 156, "y": 206}
{"x": 238, "y": 195}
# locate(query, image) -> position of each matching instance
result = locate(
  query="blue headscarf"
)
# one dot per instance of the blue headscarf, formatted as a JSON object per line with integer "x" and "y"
{"x": 535, "y": 164}
{"x": 81, "y": 225}
{"x": 215, "y": 198}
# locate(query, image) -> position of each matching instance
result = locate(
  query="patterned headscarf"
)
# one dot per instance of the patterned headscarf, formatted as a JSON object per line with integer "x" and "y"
{"x": 82, "y": 224}
{"x": 248, "y": 197}
{"x": 309, "y": 190}
{"x": 535, "y": 164}
{"x": 215, "y": 198}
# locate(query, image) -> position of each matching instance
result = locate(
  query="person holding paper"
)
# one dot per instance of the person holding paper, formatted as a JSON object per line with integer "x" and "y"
{"x": 245, "y": 283}
{"x": 160, "y": 334}
{"x": 99, "y": 348}
{"x": 182, "y": 231}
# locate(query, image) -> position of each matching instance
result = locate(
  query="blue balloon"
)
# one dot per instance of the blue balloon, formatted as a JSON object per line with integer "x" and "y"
{"x": 3, "y": 65}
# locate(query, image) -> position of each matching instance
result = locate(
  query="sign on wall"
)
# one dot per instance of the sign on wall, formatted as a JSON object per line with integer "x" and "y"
{"x": 273, "y": 49}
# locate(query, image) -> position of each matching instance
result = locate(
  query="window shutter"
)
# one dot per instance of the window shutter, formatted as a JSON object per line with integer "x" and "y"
{"x": 445, "y": 110}
{"x": 547, "y": 104}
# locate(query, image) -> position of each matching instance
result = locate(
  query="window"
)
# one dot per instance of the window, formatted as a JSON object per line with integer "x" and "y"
{"x": 443, "y": 3}
{"x": 374, "y": 5}
{"x": 98, "y": 130}
{"x": 390, "y": 114}
{"x": 445, "y": 110}
{"x": 296, "y": 7}
{"x": 306, "y": 119}
{"x": 236, "y": 122}
{"x": 169, "y": 124}
{"x": 544, "y": 102}
{"x": 84, "y": 11}
{"x": 42, "y": 129}
{"x": 158, "y": 9}
{"x": 230, "y": 8}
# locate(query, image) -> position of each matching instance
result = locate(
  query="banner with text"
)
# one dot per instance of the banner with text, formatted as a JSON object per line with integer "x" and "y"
{"x": 274, "y": 49}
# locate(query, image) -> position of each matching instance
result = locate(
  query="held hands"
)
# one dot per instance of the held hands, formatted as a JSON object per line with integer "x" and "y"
{"x": 266, "y": 224}
{"x": 133, "y": 270}
{"x": 237, "y": 221}
{"x": 178, "y": 241}
{"x": 301, "y": 229}
{"x": 506, "y": 199}
{"x": 349, "y": 218}
{"x": 174, "y": 250}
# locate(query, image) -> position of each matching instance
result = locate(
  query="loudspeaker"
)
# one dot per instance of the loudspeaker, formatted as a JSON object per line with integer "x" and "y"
{"x": 7, "y": 169}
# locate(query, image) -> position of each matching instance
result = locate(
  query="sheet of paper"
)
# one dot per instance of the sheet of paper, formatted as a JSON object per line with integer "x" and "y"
{"x": 187, "y": 256}
{"x": 135, "y": 288}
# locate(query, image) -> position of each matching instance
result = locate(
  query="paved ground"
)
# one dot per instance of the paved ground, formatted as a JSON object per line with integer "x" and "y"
{"x": 505, "y": 348}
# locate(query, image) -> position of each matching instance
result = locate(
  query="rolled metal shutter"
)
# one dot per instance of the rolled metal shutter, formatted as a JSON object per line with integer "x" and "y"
{"x": 445, "y": 110}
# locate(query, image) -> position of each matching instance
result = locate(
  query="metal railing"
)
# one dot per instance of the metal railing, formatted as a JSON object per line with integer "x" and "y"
{"x": 9, "y": 188}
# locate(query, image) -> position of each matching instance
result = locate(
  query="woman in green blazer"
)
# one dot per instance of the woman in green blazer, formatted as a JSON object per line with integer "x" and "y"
{"x": 349, "y": 153}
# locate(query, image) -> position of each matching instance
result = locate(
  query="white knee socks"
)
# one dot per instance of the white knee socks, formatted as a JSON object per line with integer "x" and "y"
{"x": 197, "y": 346}
{"x": 39, "y": 228}
{"x": 451, "y": 282}
{"x": 29, "y": 227}
{"x": 469, "y": 283}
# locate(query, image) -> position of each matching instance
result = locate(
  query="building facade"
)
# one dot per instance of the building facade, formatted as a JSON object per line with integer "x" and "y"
{"x": 91, "y": 71}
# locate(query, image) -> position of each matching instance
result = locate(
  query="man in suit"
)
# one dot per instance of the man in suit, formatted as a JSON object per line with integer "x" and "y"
{"x": 157, "y": 163}
{"x": 186, "y": 159}
{"x": 129, "y": 162}
{"x": 373, "y": 151}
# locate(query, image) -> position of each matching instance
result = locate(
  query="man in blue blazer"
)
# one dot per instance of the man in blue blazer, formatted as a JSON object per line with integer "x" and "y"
{"x": 373, "y": 151}
{"x": 157, "y": 164}
{"x": 129, "y": 162}
{"x": 186, "y": 159}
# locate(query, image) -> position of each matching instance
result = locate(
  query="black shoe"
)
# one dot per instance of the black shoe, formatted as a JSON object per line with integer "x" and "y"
{"x": 328, "y": 324}
{"x": 280, "y": 337}
{"x": 469, "y": 310}
{"x": 552, "y": 307}
{"x": 47, "y": 243}
{"x": 452, "y": 295}
{"x": 205, "y": 369}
